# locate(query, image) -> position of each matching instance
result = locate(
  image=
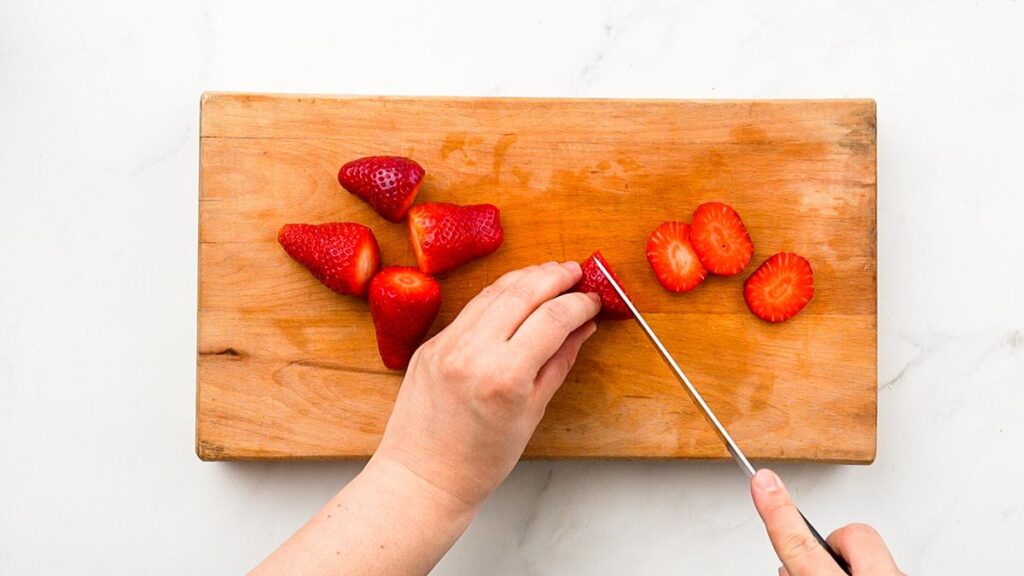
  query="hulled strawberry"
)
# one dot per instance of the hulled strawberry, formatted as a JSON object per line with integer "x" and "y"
{"x": 387, "y": 183}
{"x": 673, "y": 259}
{"x": 445, "y": 236}
{"x": 342, "y": 255}
{"x": 780, "y": 287}
{"x": 593, "y": 280}
{"x": 404, "y": 303}
{"x": 720, "y": 239}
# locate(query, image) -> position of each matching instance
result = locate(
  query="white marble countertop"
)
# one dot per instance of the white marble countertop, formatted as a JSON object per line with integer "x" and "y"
{"x": 98, "y": 178}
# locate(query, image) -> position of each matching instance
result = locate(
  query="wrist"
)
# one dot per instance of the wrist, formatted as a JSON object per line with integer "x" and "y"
{"x": 404, "y": 484}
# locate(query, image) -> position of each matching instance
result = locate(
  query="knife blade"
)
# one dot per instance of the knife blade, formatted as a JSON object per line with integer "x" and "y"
{"x": 709, "y": 414}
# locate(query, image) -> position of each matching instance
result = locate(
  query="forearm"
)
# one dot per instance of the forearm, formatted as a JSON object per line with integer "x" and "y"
{"x": 385, "y": 521}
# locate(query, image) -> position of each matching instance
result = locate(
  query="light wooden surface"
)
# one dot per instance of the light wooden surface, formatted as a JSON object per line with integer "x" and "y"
{"x": 288, "y": 369}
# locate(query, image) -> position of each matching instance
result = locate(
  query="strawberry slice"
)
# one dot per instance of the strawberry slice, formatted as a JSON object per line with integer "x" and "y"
{"x": 593, "y": 280}
{"x": 445, "y": 236}
{"x": 387, "y": 183}
{"x": 342, "y": 255}
{"x": 780, "y": 287}
{"x": 720, "y": 239}
{"x": 404, "y": 303}
{"x": 673, "y": 259}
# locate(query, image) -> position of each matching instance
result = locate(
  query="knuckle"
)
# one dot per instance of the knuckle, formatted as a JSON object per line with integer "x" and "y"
{"x": 798, "y": 545}
{"x": 504, "y": 389}
{"x": 558, "y": 313}
{"x": 519, "y": 291}
{"x": 856, "y": 531}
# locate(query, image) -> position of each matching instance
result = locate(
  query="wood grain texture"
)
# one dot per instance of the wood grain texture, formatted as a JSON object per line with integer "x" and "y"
{"x": 288, "y": 369}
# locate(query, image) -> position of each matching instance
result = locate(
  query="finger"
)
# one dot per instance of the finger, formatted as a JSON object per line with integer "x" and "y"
{"x": 542, "y": 334}
{"x": 535, "y": 287}
{"x": 475, "y": 308}
{"x": 800, "y": 553}
{"x": 783, "y": 571}
{"x": 553, "y": 372}
{"x": 864, "y": 549}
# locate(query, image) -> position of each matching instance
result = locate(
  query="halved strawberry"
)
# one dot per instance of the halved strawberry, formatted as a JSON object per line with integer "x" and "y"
{"x": 673, "y": 259}
{"x": 342, "y": 255}
{"x": 404, "y": 303}
{"x": 780, "y": 287}
{"x": 720, "y": 239}
{"x": 387, "y": 183}
{"x": 444, "y": 236}
{"x": 593, "y": 280}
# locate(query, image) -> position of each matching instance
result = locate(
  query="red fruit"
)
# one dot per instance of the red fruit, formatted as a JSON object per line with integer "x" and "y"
{"x": 404, "y": 303}
{"x": 444, "y": 236}
{"x": 387, "y": 183}
{"x": 593, "y": 280}
{"x": 720, "y": 239}
{"x": 342, "y": 255}
{"x": 673, "y": 259}
{"x": 780, "y": 287}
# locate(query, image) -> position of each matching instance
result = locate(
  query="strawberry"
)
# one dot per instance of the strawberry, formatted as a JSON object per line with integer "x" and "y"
{"x": 780, "y": 287}
{"x": 720, "y": 239}
{"x": 342, "y": 255}
{"x": 445, "y": 236}
{"x": 404, "y": 303}
{"x": 387, "y": 183}
{"x": 593, "y": 280}
{"x": 673, "y": 259}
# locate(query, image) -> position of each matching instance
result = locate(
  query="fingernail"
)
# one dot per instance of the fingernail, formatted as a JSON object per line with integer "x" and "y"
{"x": 594, "y": 297}
{"x": 571, "y": 266}
{"x": 591, "y": 328}
{"x": 767, "y": 481}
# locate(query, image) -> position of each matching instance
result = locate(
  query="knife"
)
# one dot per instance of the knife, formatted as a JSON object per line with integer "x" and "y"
{"x": 723, "y": 434}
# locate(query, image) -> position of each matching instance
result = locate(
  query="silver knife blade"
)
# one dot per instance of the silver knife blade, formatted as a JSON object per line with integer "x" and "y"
{"x": 709, "y": 414}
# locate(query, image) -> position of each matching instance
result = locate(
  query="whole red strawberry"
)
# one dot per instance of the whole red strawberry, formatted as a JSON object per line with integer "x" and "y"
{"x": 780, "y": 287}
{"x": 445, "y": 236}
{"x": 404, "y": 303}
{"x": 387, "y": 183}
{"x": 593, "y": 280}
{"x": 342, "y": 255}
{"x": 720, "y": 239}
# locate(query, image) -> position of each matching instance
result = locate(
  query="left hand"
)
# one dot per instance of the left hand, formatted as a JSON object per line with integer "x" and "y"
{"x": 473, "y": 394}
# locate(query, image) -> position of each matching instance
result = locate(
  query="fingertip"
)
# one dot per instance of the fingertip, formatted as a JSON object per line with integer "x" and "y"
{"x": 573, "y": 268}
{"x": 766, "y": 481}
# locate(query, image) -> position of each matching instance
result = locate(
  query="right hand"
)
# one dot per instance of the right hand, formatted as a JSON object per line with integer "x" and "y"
{"x": 799, "y": 551}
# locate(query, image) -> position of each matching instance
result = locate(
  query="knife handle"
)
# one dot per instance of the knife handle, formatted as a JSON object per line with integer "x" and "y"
{"x": 835, "y": 555}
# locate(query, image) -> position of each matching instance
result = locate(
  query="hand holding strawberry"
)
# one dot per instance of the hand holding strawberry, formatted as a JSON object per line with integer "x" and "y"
{"x": 474, "y": 393}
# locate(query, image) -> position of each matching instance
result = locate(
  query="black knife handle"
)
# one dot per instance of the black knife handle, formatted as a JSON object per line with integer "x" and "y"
{"x": 835, "y": 555}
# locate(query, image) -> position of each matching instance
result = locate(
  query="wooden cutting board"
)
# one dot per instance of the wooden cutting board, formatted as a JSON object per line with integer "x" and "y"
{"x": 287, "y": 369}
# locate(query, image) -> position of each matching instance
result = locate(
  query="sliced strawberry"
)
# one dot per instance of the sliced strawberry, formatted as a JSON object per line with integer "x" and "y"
{"x": 780, "y": 287}
{"x": 404, "y": 303}
{"x": 593, "y": 280}
{"x": 342, "y": 255}
{"x": 673, "y": 259}
{"x": 445, "y": 236}
{"x": 387, "y": 183}
{"x": 720, "y": 239}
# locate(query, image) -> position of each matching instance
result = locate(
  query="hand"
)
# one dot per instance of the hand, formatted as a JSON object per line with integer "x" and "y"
{"x": 473, "y": 394}
{"x": 800, "y": 552}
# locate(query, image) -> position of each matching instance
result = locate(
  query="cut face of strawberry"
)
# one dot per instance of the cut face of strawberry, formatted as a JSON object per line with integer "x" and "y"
{"x": 593, "y": 280}
{"x": 780, "y": 287}
{"x": 389, "y": 184}
{"x": 404, "y": 303}
{"x": 720, "y": 239}
{"x": 444, "y": 236}
{"x": 342, "y": 255}
{"x": 673, "y": 258}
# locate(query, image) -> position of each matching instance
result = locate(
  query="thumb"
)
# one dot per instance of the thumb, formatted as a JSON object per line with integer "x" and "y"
{"x": 796, "y": 547}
